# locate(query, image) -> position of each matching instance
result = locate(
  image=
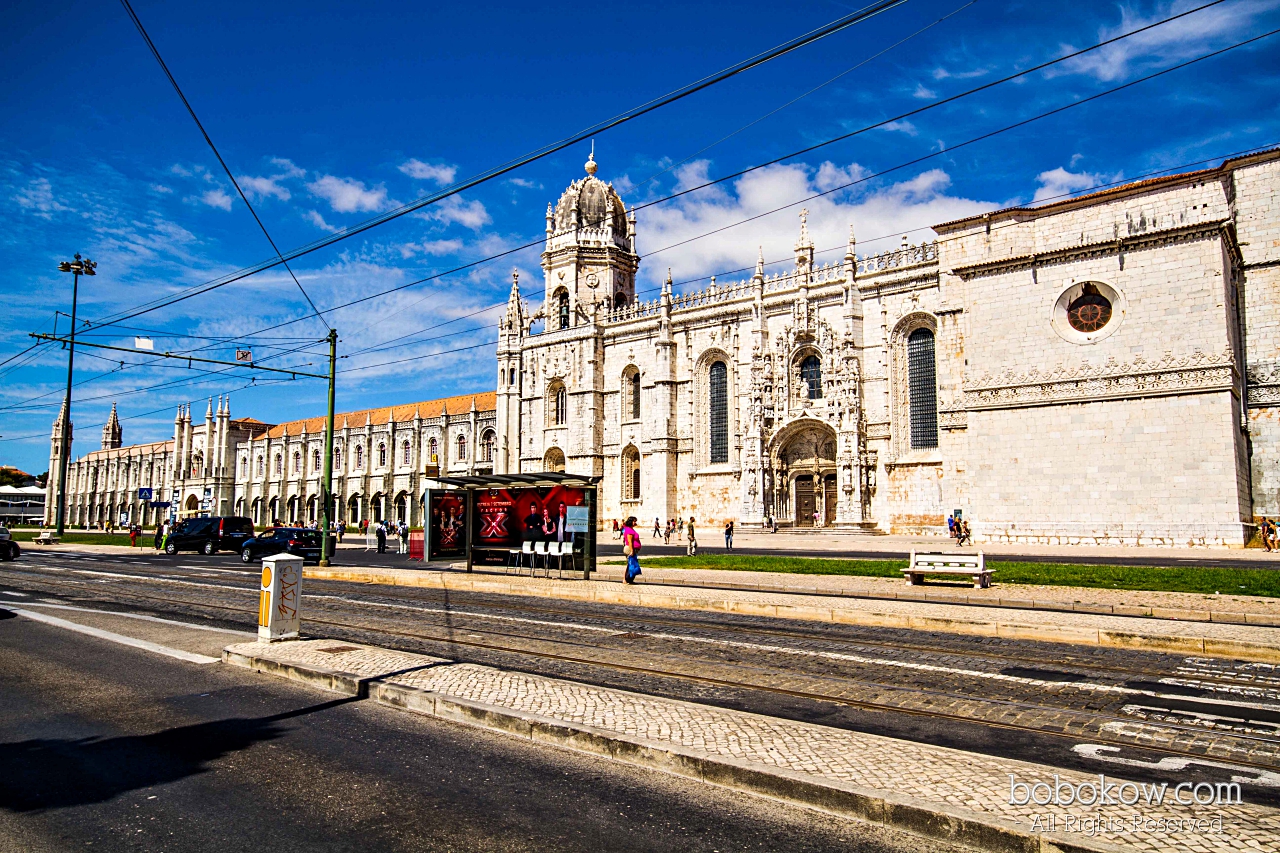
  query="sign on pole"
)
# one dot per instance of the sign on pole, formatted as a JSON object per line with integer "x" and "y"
{"x": 144, "y": 494}
{"x": 244, "y": 355}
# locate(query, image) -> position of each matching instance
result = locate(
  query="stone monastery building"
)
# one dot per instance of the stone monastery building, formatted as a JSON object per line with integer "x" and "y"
{"x": 1100, "y": 369}
{"x": 1103, "y": 369}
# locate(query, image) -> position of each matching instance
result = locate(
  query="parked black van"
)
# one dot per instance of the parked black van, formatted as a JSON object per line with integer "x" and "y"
{"x": 209, "y": 535}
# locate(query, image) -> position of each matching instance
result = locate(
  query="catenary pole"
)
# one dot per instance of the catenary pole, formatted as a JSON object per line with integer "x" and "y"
{"x": 326, "y": 488}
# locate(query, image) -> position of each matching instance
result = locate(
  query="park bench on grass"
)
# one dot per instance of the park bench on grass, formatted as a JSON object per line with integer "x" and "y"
{"x": 46, "y": 537}
{"x": 968, "y": 565}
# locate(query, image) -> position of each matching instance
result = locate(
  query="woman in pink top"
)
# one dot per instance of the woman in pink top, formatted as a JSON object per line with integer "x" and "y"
{"x": 632, "y": 539}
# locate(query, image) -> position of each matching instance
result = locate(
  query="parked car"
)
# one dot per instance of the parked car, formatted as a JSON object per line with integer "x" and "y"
{"x": 299, "y": 541}
{"x": 209, "y": 534}
{"x": 9, "y": 549}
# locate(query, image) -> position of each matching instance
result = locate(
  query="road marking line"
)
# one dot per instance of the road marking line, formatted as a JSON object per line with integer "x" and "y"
{"x": 142, "y": 616}
{"x": 18, "y": 594}
{"x": 109, "y": 636}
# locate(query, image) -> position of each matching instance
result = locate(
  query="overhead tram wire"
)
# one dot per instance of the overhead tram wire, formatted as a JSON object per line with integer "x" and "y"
{"x": 839, "y": 24}
{"x": 540, "y": 241}
{"x": 137, "y": 22}
{"x": 804, "y": 95}
{"x": 1067, "y": 195}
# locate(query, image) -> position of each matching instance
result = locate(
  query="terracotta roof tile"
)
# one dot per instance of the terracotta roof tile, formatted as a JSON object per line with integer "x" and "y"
{"x": 485, "y": 401}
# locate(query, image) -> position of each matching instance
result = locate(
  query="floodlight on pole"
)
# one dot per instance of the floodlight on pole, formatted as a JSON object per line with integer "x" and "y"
{"x": 77, "y": 267}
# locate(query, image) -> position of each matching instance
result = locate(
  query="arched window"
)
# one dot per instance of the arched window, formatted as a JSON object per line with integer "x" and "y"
{"x": 462, "y": 447}
{"x": 513, "y": 377}
{"x": 554, "y": 460}
{"x": 315, "y": 460}
{"x": 404, "y": 454}
{"x": 359, "y": 457}
{"x": 382, "y": 455}
{"x": 620, "y": 300}
{"x": 297, "y": 461}
{"x": 259, "y": 466}
{"x": 244, "y": 466}
{"x": 279, "y": 464}
{"x": 487, "y": 442}
{"x": 811, "y": 375}
{"x": 562, "y": 309}
{"x": 718, "y": 420}
{"x": 630, "y": 473}
{"x": 557, "y": 405}
{"x": 922, "y": 390}
{"x": 337, "y": 458}
{"x": 631, "y": 395}
{"x": 433, "y": 451}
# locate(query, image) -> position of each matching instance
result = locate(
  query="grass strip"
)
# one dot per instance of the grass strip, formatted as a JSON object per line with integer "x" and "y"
{"x": 1201, "y": 579}
{"x": 74, "y": 538}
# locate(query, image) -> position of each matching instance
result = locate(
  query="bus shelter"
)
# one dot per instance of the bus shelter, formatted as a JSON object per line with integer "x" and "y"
{"x": 489, "y": 518}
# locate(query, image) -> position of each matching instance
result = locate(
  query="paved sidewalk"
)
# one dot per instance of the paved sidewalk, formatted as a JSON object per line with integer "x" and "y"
{"x": 934, "y": 791}
{"x": 1223, "y": 639}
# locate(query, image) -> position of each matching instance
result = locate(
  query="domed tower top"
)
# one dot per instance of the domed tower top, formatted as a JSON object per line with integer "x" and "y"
{"x": 590, "y": 259}
{"x": 591, "y": 203}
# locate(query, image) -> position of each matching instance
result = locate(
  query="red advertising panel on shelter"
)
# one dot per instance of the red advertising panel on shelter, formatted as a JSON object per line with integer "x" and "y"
{"x": 508, "y": 517}
{"x": 446, "y": 532}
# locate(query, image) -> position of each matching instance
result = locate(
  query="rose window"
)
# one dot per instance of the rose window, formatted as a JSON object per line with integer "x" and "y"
{"x": 1089, "y": 311}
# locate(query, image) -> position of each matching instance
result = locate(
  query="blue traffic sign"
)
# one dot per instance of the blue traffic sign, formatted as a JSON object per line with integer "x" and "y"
{"x": 144, "y": 494}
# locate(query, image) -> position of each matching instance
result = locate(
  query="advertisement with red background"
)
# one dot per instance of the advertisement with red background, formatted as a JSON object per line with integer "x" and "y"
{"x": 507, "y": 517}
{"x": 446, "y": 528}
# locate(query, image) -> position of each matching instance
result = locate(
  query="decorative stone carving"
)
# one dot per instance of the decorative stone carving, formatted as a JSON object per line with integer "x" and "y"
{"x": 1114, "y": 380}
{"x": 1264, "y": 383}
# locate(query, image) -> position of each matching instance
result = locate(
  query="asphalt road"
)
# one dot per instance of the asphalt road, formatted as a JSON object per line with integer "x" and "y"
{"x": 1020, "y": 699}
{"x": 103, "y": 747}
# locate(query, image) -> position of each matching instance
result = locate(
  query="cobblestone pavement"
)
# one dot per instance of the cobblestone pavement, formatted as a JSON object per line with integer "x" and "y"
{"x": 1006, "y": 698}
{"x": 980, "y": 785}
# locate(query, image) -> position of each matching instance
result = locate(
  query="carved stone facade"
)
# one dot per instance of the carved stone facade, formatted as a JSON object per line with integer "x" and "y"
{"x": 1073, "y": 372}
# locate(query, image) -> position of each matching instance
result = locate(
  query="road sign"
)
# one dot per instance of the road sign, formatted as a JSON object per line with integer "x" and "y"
{"x": 244, "y": 355}
{"x": 144, "y": 494}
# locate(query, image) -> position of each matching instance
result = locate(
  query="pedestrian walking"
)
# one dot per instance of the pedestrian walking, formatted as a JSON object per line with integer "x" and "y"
{"x": 951, "y": 526}
{"x": 381, "y": 533}
{"x": 631, "y": 547}
{"x": 657, "y": 528}
{"x": 615, "y": 528}
{"x": 1266, "y": 531}
{"x": 666, "y": 531}
{"x": 692, "y": 547}
{"x": 728, "y": 535}
{"x": 962, "y": 534}
{"x": 680, "y": 528}
{"x": 159, "y": 537}
{"x": 403, "y": 533}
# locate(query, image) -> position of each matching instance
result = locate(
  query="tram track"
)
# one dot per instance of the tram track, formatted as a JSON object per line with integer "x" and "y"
{"x": 491, "y": 641}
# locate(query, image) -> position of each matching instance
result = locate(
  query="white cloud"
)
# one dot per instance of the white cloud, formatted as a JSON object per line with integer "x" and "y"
{"x": 901, "y": 126}
{"x": 161, "y": 188}
{"x": 1179, "y": 40}
{"x": 924, "y": 93}
{"x": 430, "y": 247}
{"x": 941, "y": 73}
{"x": 317, "y": 220}
{"x": 451, "y": 210}
{"x": 37, "y": 198}
{"x": 524, "y": 183}
{"x": 439, "y": 173}
{"x": 880, "y": 216}
{"x": 287, "y": 168}
{"x": 347, "y": 195}
{"x": 1058, "y": 182}
{"x": 181, "y": 170}
{"x": 259, "y": 188}
{"x": 216, "y": 198}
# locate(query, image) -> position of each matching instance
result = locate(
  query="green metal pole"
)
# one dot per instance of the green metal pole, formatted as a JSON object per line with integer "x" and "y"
{"x": 326, "y": 491}
{"x": 66, "y": 408}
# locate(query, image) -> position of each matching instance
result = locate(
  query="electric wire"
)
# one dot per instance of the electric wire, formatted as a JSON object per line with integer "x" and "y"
{"x": 137, "y": 22}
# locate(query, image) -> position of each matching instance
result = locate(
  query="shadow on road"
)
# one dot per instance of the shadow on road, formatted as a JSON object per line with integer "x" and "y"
{"x": 56, "y": 773}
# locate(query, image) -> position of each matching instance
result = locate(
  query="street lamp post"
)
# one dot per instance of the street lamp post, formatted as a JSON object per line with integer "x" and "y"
{"x": 77, "y": 268}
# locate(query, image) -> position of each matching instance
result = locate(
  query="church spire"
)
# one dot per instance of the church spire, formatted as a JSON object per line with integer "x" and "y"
{"x": 111, "y": 432}
{"x": 804, "y": 245}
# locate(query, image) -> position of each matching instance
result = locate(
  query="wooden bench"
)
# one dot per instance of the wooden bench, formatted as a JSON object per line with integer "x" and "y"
{"x": 46, "y": 537}
{"x": 969, "y": 565}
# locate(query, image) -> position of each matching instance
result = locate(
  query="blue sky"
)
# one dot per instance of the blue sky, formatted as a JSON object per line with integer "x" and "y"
{"x": 333, "y": 112}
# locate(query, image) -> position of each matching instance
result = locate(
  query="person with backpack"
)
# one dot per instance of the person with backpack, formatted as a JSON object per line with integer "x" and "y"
{"x": 631, "y": 547}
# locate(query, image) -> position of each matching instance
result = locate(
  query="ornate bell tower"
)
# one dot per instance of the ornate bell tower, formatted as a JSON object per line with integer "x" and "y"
{"x": 590, "y": 258}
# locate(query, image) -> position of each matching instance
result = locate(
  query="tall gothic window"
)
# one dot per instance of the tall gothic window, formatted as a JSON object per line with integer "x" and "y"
{"x": 359, "y": 457}
{"x": 382, "y": 455}
{"x": 922, "y": 390}
{"x": 297, "y": 461}
{"x": 404, "y": 453}
{"x": 337, "y": 459}
{"x": 513, "y": 377}
{"x": 259, "y": 466}
{"x": 433, "y": 451}
{"x": 279, "y": 465}
{"x": 562, "y": 309}
{"x": 811, "y": 375}
{"x": 631, "y": 474}
{"x": 244, "y": 467}
{"x": 462, "y": 447}
{"x": 560, "y": 406}
{"x": 315, "y": 460}
{"x": 718, "y": 384}
{"x": 487, "y": 442}
{"x": 635, "y": 395}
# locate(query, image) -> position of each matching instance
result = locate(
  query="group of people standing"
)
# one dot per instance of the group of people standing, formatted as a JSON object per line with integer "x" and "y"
{"x": 958, "y": 529}
{"x": 1269, "y": 533}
